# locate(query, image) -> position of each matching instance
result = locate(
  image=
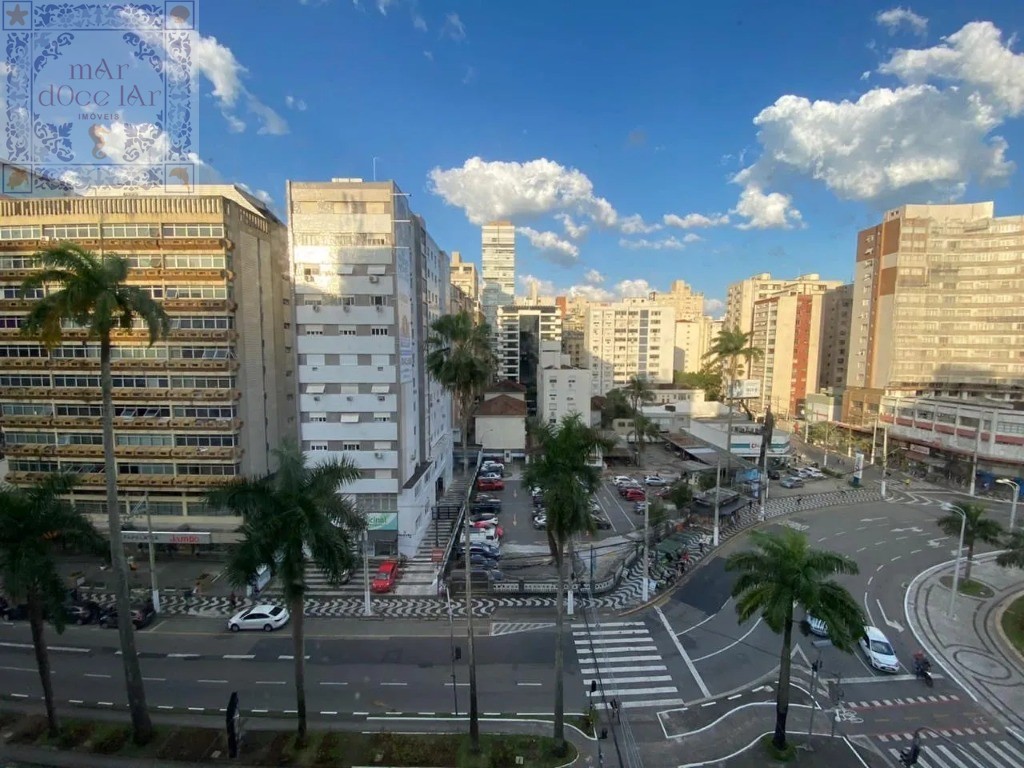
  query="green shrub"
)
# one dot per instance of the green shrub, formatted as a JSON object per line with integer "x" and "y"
{"x": 73, "y": 734}
{"x": 110, "y": 739}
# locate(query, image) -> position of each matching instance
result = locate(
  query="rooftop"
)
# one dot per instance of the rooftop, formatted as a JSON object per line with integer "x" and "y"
{"x": 502, "y": 405}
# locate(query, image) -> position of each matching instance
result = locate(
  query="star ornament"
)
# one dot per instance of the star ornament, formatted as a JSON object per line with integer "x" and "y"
{"x": 17, "y": 16}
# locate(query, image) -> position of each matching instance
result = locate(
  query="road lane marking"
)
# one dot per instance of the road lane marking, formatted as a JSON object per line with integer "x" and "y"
{"x": 328, "y": 682}
{"x": 69, "y": 649}
{"x": 327, "y": 712}
{"x": 735, "y": 696}
{"x": 648, "y": 668}
{"x": 604, "y": 625}
{"x": 531, "y": 685}
{"x": 19, "y": 669}
{"x": 182, "y": 655}
{"x": 288, "y": 657}
{"x": 98, "y": 675}
{"x": 75, "y": 701}
{"x": 270, "y": 682}
{"x": 682, "y": 652}
{"x": 260, "y": 711}
{"x": 155, "y": 679}
{"x": 239, "y": 656}
{"x": 217, "y": 682}
{"x": 394, "y": 683}
{"x": 732, "y": 644}
{"x": 195, "y": 709}
{"x": 164, "y": 706}
{"x": 446, "y": 685}
{"x": 105, "y": 703}
{"x": 20, "y": 695}
{"x": 647, "y": 703}
{"x": 612, "y": 679}
{"x": 603, "y": 632}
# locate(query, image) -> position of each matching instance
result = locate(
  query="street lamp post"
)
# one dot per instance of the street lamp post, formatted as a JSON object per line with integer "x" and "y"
{"x": 367, "y": 606}
{"x": 647, "y": 551}
{"x": 718, "y": 493}
{"x": 152, "y": 549}
{"x": 1013, "y": 504}
{"x": 959, "y": 554}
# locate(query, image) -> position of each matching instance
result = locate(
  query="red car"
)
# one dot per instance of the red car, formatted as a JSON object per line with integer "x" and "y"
{"x": 386, "y": 576}
{"x": 635, "y": 494}
{"x": 490, "y": 485}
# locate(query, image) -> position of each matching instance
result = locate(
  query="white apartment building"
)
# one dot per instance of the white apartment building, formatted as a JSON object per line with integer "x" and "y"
{"x": 529, "y": 338}
{"x": 625, "y": 340}
{"x": 563, "y": 390}
{"x": 498, "y": 267}
{"x": 688, "y": 304}
{"x": 741, "y": 296}
{"x": 369, "y": 281}
{"x": 693, "y": 340}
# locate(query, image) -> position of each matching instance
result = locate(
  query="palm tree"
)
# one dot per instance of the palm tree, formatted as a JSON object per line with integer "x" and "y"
{"x": 1013, "y": 557}
{"x": 559, "y": 467}
{"x": 780, "y": 573}
{"x": 979, "y": 527}
{"x": 460, "y": 358}
{"x": 638, "y": 391}
{"x": 29, "y": 519}
{"x": 645, "y": 429}
{"x": 90, "y": 291}
{"x": 292, "y": 517}
{"x": 730, "y": 349}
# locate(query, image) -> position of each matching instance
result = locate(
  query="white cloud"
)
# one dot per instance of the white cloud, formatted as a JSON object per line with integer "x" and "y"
{"x": 773, "y": 210}
{"x": 453, "y": 27}
{"x": 588, "y": 290}
{"x": 927, "y": 138}
{"x": 419, "y": 22}
{"x": 265, "y": 196}
{"x": 692, "y": 237}
{"x": 713, "y": 306}
{"x": 593, "y": 277}
{"x": 551, "y": 246}
{"x": 635, "y": 225}
{"x": 429, "y": 55}
{"x": 633, "y": 288}
{"x": 500, "y": 190}
{"x": 895, "y": 18}
{"x": 572, "y": 229}
{"x": 293, "y": 103}
{"x": 544, "y": 287}
{"x": 235, "y": 124}
{"x": 470, "y": 75}
{"x": 695, "y": 220}
{"x": 643, "y": 244}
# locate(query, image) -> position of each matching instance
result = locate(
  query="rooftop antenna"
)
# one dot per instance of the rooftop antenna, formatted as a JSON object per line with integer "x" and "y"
{"x": 375, "y": 168}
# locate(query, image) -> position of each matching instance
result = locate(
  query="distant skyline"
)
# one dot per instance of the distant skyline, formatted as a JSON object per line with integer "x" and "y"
{"x": 651, "y": 142}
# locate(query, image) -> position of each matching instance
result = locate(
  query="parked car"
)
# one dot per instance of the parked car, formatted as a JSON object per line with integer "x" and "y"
{"x": 265, "y": 617}
{"x": 621, "y": 480}
{"x": 12, "y": 612}
{"x": 655, "y": 480}
{"x": 540, "y": 522}
{"x": 489, "y": 525}
{"x": 488, "y": 550}
{"x": 815, "y": 474}
{"x": 82, "y": 611}
{"x": 488, "y": 504}
{"x": 878, "y": 650}
{"x": 493, "y": 466}
{"x": 640, "y": 507}
{"x": 601, "y": 522}
{"x": 490, "y": 476}
{"x": 791, "y": 482}
{"x": 141, "y": 617}
{"x": 486, "y": 536}
{"x": 483, "y": 517}
{"x": 490, "y": 485}
{"x": 634, "y": 494}
{"x": 774, "y": 474}
{"x": 387, "y": 575}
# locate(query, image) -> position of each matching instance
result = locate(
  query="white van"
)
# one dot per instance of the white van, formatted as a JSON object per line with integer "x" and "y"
{"x": 484, "y": 536}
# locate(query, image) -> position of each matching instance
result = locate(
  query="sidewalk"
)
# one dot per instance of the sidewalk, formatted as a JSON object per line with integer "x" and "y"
{"x": 970, "y": 646}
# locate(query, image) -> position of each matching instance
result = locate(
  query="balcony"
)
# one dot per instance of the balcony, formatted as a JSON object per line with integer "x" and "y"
{"x": 24, "y": 362}
{"x": 204, "y": 452}
{"x": 211, "y": 334}
{"x": 20, "y": 422}
{"x": 204, "y": 305}
{"x": 202, "y": 394}
{"x": 184, "y": 273}
{"x": 24, "y": 449}
{"x": 221, "y": 365}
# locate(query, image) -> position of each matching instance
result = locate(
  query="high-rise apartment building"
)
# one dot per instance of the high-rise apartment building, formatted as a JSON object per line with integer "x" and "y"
{"x": 625, "y": 340}
{"x": 465, "y": 277}
{"x": 529, "y": 339}
{"x": 693, "y": 339}
{"x": 498, "y": 265}
{"x": 369, "y": 282}
{"x": 741, "y": 296}
{"x": 563, "y": 390}
{"x": 938, "y": 306}
{"x": 836, "y": 315}
{"x": 688, "y": 304}
{"x": 204, "y": 405}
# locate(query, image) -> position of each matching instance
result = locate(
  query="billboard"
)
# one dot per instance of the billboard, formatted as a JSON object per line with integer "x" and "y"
{"x": 745, "y": 389}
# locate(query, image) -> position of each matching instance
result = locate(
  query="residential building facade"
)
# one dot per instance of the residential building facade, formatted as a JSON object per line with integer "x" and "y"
{"x": 498, "y": 268}
{"x": 836, "y": 316}
{"x": 938, "y": 306}
{"x": 464, "y": 276}
{"x": 369, "y": 282}
{"x": 741, "y": 296}
{"x": 688, "y": 304}
{"x": 625, "y": 340}
{"x": 207, "y": 404}
{"x": 693, "y": 339}
{"x": 563, "y": 390}
{"x": 528, "y": 339}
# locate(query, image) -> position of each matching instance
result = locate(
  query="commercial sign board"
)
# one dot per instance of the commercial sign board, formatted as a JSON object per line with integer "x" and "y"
{"x": 858, "y": 467}
{"x": 745, "y": 389}
{"x": 382, "y": 521}
{"x": 166, "y": 537}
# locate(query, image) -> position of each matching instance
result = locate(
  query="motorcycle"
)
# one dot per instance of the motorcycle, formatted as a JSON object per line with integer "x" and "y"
{"x": 923, "y": 669}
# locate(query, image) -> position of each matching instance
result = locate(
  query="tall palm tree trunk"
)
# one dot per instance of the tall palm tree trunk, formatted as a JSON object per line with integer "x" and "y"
{"x": 782, "y": 695}
{"x": 35, "y": 621}
{"x": 142, "y": 726}
{"x": 474, "y": 710}
{"x": 464, "y": 418}
{"x": 728, "y": 426}
{"x": 559, "y": 729}
{"x": 298, "y": 615}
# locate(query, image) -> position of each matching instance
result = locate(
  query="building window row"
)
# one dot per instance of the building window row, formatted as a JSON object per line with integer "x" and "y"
{"x": 223, "y": 470}
{"x": 214, "y": 412}
{"x": 202, "y": 323}
{"x": 15, "y": 292}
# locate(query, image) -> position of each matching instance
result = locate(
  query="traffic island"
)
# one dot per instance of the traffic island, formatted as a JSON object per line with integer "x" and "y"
{"x": 88, "y": 742}
{"x": 969, "y": 588}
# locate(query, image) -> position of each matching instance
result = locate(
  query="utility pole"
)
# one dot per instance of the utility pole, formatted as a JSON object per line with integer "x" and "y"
{"x": 885, "y": 458}
{"x": 718, "y": 489}
{"x": 152, "y": 556}
{"x": 454, "y": 653}
{"x": 874, "y": 439}
{"x": 367, "y": 606}
{"x": 647, "y": 550}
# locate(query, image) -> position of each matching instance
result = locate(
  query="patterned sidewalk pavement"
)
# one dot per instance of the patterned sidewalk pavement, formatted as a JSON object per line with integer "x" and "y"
{"x": 627, "y": 595}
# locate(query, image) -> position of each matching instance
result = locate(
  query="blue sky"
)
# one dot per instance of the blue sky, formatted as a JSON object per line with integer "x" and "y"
{"x": 622, "y": 140}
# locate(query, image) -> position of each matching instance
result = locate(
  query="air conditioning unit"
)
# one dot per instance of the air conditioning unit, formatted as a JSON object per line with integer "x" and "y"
{"x": 380, "y": 308}
{"x": 378, "y": 455}
{"x": 316, "y": 307}
{"x": 346, "y": 307}
{"x": 316, "y": 367}
{"x": 374, "y": 279}
{"x": 316, "y": 398}
{"x": 380, "y": 398}
{"x": 349, "y": 398}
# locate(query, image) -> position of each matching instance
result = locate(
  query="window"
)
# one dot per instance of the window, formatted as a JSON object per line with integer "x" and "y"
{"x": 24, "y": 381}
{"x": 81, "y": 351}
{"x": 141, "y": 412}
{"x": 144, "y": 440}
{"x": 350, "y": 446}
{"x": 318, "y": 446}
{"x": 315, "y": 389}
{"x": 26, "y": 409}
{"x": 72, "y": 231}
{"x": 318, "y": 417}
{"x": 140, "y": 382}
{"x": 314, "y": 330}
{"x": 27, "y": 465}
{"x": 89, "y": 411}
{"x": 31, "y": 438}
{"x": 196, "y": 292}
{"x": 131, "y": 230}
{"x": 193, "y": 230}
{"x": 14, "y": 292}
{"x": 343, "y": 330}
{"x": 202, "y": 323}
{"x": 377, "y": 301}
{"x": 21, "y": 233}
{"x": 212, "y": 261}
{"x": 145, "y": 469}
{"x": 10, "y": 321}
{"x": 82, "y": 467}
{"x": 219, "y": 470}
{"x": 205, "y": 441}
{"x": 199, "y": 353}
{"x": 380, "y": 330}
{"x": 22, "y": 350}
{"x": 216, "y": 412}
{"x": 144, "y": 262}
{"x": 382, "y": 417}
{"x": 18, "y": 262}
{"x": 202, "y": 382}
{"x": 79, "y": 438}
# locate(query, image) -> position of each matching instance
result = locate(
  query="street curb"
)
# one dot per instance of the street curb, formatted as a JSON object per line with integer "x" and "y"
{"x": 999, "y": 611}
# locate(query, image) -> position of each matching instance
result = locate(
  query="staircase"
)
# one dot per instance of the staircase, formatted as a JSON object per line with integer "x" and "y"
{"x": 318, "y": 587}
{"x": 419, "y": 575}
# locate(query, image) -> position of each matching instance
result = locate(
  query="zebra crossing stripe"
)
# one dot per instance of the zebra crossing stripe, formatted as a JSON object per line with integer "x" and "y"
{"x": 603, "y": 632}
{"x": 648, "y": 668}
{"x": 606, "y": 624}
{"x": 623, "y": 680}
{"x": 637, "y": 691}
{"x": 638, "y": 704}
{"x": 607, "y": 651}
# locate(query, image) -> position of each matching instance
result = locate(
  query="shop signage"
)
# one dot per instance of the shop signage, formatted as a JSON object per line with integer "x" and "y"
{"x": 166, "y": 537}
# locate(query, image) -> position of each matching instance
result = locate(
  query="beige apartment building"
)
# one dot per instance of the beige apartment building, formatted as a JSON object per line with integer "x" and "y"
{"x": 693, "y": 340}
{"x": 688, "y": 304}
{"x": 741, "y": 296}
{"x": 465, "y": 277}
{"x": 498, "y": 268}
{"x": 625, "y": 340}
{"x": 938, "y": 307}
{"x": 207, "y": 404}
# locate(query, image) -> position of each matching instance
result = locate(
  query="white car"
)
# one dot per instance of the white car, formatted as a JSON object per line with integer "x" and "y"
{"x": 619, "y": 480}
{"x": 878, "y": 650}
{"x": 266, "y": 617}
{"x": 489, "y": 476}
{"x": 817, "y": 626}
{"x": 814, "y": 473}
{"x": 654, "y": 480}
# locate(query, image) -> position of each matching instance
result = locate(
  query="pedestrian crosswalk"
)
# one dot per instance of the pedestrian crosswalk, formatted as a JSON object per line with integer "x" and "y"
{"x": 623, "y": 660}
{"x": 953, "y": 753}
